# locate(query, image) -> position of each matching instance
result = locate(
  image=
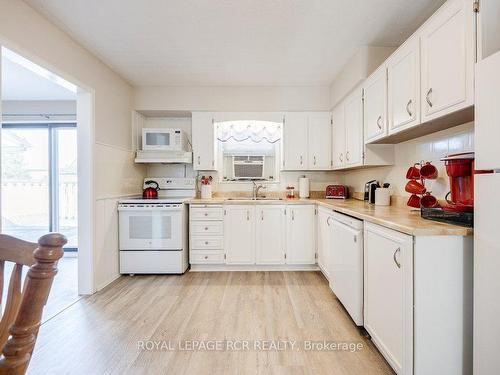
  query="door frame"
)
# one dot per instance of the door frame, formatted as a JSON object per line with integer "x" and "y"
{"x": 85, "y": 119}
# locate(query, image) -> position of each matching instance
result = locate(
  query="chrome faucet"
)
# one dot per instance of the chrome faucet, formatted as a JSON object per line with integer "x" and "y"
{"x": 256, "y": 189}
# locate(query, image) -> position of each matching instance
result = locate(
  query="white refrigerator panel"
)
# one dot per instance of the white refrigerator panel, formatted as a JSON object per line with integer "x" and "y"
{"x": 487, "y": 113}
{"x": 486, "y": 274}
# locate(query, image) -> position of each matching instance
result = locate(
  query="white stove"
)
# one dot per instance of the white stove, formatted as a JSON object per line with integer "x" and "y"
{"x": 153, "y": 232}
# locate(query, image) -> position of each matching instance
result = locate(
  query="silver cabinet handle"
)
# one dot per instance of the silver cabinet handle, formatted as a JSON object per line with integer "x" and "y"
{"x": 206, "y": 228}
{"x": 262, "y": 214}
{"x": 206, "y": 242}
{"x": 206, "y": 256}
{"x": 314, "y": 157}
{"x": 355, "y": 238}
{"x": 301, "y": 160}
{"x": 341, "y": 157}
{"x": 198, "y": 160}
{"x": 410, "y": 113}
{"x": 428, "y": 97}
{"x": 398, "y": 250}
{"x": 328, "y": 220}
{"x": 248, "y": 215}
{"x": 293, "y": 215}
{"x": 347, "y": 156}
{"x": 378, "y": 122}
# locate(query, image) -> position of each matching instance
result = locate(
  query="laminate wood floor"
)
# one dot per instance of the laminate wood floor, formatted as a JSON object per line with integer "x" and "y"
{"x": 102, "y": 334}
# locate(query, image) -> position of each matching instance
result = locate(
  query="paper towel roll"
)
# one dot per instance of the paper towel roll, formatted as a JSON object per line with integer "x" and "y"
{"x": 303, "y": 187}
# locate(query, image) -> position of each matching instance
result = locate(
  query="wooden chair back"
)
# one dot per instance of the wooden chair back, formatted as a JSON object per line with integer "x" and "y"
{"x": 22, "y": 314}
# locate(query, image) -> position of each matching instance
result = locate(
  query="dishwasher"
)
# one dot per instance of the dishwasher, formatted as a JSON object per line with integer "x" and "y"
{"x": 346, "y": 273}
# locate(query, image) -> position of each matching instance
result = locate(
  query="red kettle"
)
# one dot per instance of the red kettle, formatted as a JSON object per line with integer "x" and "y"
{"x": 150, "y": 192}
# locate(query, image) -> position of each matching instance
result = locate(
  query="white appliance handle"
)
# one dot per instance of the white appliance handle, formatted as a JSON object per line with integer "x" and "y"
{"x": 150, "y": 208}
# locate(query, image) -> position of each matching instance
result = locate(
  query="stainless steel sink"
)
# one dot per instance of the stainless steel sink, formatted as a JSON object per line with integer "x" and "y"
{"x": 255, "y": 199}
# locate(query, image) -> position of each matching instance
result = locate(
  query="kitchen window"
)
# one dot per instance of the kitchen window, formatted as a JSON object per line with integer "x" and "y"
{"x": 249, "y": 150}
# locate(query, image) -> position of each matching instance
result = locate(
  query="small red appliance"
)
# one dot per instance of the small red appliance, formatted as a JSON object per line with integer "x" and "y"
{"x": 336, "y": 192}
{"x": 150, "y": 192}
{"x": 460, "y": 170}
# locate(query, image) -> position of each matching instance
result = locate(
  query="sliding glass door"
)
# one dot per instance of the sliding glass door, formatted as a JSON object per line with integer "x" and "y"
{"x": 39, "y": 181}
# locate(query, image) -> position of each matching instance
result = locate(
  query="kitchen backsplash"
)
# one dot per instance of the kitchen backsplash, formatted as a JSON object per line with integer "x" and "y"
{"x": 428, "y": 148}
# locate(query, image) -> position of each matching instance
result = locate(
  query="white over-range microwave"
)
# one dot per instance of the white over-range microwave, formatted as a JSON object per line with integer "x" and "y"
{"x": 154, "y": 139}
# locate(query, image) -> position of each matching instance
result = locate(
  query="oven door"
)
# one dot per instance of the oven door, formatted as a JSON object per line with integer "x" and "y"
{"x": 151, "y": 228}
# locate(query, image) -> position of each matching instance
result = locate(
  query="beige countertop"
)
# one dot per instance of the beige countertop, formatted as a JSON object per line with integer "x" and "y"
{"x": 401, "y": 219}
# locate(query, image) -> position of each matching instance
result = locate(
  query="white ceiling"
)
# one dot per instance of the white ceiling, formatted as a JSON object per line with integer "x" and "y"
{"x": 234, "y": 42}
{"x": 20, "y": 83}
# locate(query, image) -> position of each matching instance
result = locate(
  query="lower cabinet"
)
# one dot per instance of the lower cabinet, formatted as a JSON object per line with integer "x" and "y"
{"x": 324, "y": 229}
{"x": 388, "y": 294}
{"x": 270, "y": 228}
{"x": 239, "y": 234}
{"x": 269, "y": 234}
{"x": 300, "y": 234}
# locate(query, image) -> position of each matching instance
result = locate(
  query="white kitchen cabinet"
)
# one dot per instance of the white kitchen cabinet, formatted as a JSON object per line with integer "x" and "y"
{"x": 388, "y": 294}
{"x": 300, "y": 234}
{"x": 203, "y": 141}
{"x": 353, "y": 122}
{"x": 448, "y": 57}
{"x": 403, "y": 71}
{"x": 239, "y": 234}
{"x": 324, "y": 230}
{"x": 338, "y": 137}
{"x": 320, "y": 141}
{"x": 375, "y": 105}
{"x": 270, "y": 234}
{"x": 488, "y": 28}
{"x": 295, "y": 140}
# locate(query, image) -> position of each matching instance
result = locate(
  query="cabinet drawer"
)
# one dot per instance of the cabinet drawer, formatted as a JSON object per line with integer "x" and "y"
{"x": 201, "y": 243}
{"x": 206, "y": 213}
{"x": 211, "y": 228}
{"x": 206, "y": 257}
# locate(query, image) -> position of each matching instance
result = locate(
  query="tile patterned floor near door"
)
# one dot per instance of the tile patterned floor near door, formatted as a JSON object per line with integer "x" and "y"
{"x": 101, "y": 334}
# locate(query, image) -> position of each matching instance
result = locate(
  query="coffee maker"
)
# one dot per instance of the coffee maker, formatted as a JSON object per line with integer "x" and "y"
{"x": 460, "y": 170}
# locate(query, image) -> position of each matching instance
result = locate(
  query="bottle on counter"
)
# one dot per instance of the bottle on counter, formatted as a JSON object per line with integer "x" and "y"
{"x": 290, "y": 192}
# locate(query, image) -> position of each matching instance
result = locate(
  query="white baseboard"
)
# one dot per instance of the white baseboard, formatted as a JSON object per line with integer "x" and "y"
{"x": 231, "y": 268}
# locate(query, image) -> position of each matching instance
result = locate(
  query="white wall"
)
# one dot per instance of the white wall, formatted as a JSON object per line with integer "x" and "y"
{"x": 233, "y": 99}
{"x": 357, "y": 69}
{"x": 428, "y": 148}
{"x": 27, "y": 33}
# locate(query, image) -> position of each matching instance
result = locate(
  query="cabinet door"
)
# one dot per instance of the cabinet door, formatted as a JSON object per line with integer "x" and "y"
{"x": 375, "y": 105}
{"x": 300, "y": 234}
{"x": 488, "y": 28}
{"x": 295, "y": 138}
{"x": 203, "y": 141}
{"x": 320, "y": 141}
{"x": 404, "y": 87}
{"x": 270, "y": 234}
{"x": 447, "y": 60}
{"x": 487, "y": 129}
{"x": 353, "y": 119}
{"x": 338, "y": 135}
{"x": 239, "y": 234}
{"x": 324, "y": 242}
{"x": 388, "y": 294}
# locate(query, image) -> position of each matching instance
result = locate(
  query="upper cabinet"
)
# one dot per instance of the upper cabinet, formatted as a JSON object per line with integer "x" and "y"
{"x": 448, "y": 56}
{"x": 375, "y": 105}
{"x": 349, "y": 149}
{"x": 203, "y": 141}
{"x": 488, "y": 28}
{"x": 307, "y": 141}
{"x": 295, "y": 134}
{"x": 353, "y": 121}
{"x": 338, "y": 137}
{"x": 320, "y": 141}
{"x": 403, "y": 73}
